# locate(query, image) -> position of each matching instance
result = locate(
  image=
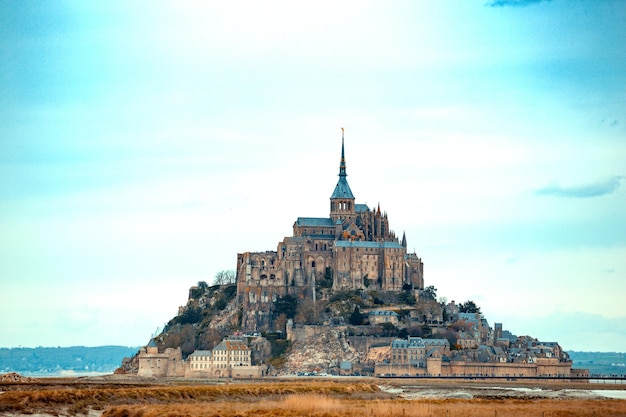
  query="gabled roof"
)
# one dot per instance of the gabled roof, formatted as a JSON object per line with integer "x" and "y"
{"x": 229, "y": 345}
{"x": 361, "y": 208}
{"x": 314, "y": 222}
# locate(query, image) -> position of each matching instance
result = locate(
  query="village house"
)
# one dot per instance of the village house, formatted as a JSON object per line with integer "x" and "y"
{"x": 383, "y": 316}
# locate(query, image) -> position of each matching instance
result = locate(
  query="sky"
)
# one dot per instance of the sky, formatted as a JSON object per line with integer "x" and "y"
{"x": 144, "y": 144}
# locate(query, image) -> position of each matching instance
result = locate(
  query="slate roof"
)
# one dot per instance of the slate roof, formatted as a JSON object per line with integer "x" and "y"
{"x": 366, "y": 244}
{"x": 201, "y": 353}
{"x": 342, "y": 189}
{"x": 412, "y": 342}
{"x": 361, "y": 208}
{"x": 383, "y": 313}
{"x": 315, "y": 222}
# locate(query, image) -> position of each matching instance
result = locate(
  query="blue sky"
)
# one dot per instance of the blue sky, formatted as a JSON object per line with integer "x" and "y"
{"x": 143, "y": 145}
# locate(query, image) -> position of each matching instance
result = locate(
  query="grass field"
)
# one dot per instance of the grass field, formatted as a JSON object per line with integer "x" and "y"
{"x": 275, "y": 398}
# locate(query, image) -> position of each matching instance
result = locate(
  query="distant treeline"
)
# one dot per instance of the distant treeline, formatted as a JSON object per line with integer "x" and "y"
{"x": 53, "y": 360}
{"x": 600, "y": 363}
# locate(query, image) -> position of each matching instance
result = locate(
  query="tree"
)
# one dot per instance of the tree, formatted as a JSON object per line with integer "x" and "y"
{"x": 306, "y": 313}
{"x": 225, "y": 277}
{"x": 356, "y": 318}
{"x": 286, "y": 305}
{"x": 429, "y": 293}
{"x": 469, "y": 307}
{"x": 191, "y": 314}
{"x": 389, "y": 330}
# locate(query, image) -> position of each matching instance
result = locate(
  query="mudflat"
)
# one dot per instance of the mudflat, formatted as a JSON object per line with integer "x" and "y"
{"x": 130, "y": 396}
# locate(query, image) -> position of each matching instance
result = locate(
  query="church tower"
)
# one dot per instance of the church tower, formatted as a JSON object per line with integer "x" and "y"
{"x": 342, "y": 201}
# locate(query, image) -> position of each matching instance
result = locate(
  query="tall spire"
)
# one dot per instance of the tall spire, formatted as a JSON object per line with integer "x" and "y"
{"x": 342, "y": 206}
{"x": 342, "y": 190}
{"x": 342, "y": 164}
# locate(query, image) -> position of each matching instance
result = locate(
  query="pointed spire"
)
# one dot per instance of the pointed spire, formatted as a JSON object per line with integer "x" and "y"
{"x": 342, "y": 190}
{"x": 342, "y": 164}
{"x": 404, "y": 239}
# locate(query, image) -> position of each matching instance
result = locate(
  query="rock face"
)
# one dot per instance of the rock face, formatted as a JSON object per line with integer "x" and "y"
{"x": 14, "y": 377}
{"x": 320, "y": 351}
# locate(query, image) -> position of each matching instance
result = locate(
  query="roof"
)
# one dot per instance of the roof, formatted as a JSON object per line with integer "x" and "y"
{"x": 367, "y": 244}
{"x": 231, "y": 345}
{"x": 315, "y": 222}
{"x": 412, "y": 342}
{"x": 382, "y": 313}
{"x": 201, "y": 353}
{"x": 436, "y": 342}
{"x": 361, "y": 207}
{"x": 342, "y": 189}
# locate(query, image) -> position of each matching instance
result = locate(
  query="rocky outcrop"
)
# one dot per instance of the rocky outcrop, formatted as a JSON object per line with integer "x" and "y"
{"x": 321, "y": 351}
{"x": 15, "y": 377}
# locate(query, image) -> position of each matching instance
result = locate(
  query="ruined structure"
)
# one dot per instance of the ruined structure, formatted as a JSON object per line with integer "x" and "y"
{"x": 351, "y": 249}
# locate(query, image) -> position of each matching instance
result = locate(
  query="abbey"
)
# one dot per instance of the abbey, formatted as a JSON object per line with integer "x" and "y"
{"x": 351, "y": 249}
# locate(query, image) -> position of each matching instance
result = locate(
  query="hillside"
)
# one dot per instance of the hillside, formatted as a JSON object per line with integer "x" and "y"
{"x": 342, "y": 326}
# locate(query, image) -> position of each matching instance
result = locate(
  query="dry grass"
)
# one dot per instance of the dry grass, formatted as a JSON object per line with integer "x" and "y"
{"x": 311, "y": 398}
{"x": 320, "y": 406}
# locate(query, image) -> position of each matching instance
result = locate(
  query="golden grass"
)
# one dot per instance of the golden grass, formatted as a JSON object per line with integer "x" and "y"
{"x": 309, "y": 398}
{"x": 320, "y": 406}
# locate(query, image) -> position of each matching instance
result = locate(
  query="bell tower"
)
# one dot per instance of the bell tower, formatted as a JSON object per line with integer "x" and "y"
{"x": 342, "y": 201}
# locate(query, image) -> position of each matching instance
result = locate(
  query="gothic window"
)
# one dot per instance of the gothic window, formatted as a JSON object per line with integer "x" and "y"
{"x": 312, "y": 264}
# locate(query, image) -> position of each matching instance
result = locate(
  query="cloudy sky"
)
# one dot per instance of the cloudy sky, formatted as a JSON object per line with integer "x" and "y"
{"x": 144, "y": 144}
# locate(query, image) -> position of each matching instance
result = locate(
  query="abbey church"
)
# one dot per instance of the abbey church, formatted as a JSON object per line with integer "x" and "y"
{"x": 351, "y": 249}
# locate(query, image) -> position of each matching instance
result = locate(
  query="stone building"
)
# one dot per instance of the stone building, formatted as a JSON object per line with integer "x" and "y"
{"x": 153, "y": 363}
{"x": 230, "y": 358}
{"x": 383, "y": 316}
{"x": 353, "y": 248}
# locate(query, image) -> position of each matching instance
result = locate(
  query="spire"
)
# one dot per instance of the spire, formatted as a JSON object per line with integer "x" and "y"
{"x": 342, "y": 164}
{"x": 342, "y": 190}
{"x": 404, "y": 239}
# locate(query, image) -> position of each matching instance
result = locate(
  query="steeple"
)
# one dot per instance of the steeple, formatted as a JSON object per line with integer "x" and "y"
{"x": 342, "y": 200}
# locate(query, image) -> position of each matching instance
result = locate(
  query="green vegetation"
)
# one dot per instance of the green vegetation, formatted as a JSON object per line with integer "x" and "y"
{"x": 469, "y": 307}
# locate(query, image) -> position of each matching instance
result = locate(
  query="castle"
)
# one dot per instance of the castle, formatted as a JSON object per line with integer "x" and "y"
{"x": 352, "y": 249}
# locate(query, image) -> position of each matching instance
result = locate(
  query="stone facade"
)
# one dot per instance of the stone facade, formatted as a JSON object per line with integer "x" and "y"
{"x": 230, "y": 358}
{"x": 353, "y": 248}
{"x": 153, "y": 363}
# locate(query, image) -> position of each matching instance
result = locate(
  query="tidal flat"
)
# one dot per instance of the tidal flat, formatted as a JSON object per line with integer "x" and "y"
{"x": 129, "y": 396}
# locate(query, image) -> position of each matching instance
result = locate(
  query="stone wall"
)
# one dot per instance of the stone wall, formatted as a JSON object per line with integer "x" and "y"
{"x": 544, "y": 367}
{"x": 168, "y": 363}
